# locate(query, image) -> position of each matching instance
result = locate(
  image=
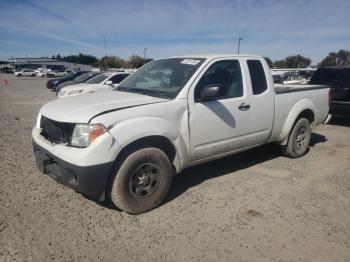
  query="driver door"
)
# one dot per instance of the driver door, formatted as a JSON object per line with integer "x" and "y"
{"x": 220, "y": 125}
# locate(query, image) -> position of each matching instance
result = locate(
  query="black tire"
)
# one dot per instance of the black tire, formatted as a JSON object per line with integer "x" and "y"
{"x": 142, "y": 181}
{"x": 298, "y": 140}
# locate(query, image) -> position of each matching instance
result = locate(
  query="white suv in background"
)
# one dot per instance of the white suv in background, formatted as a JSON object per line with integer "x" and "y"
{"x": 100, "y": 82}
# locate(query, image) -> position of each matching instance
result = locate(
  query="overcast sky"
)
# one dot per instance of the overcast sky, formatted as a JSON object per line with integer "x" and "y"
{"x": 274, "y": 28}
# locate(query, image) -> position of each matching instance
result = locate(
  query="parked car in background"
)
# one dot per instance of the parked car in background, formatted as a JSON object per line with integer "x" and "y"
{"x": 42, "y": 72}
{"x": 278, "y": 78}
{"x": 7, "y": 70}
{"x": 25, "y": 72}
{"x": 171, "y": 114}
{"x": 294, "y": 79}
{"x": 53, "y": 83}
{"x": 338, "y": 79}
{"x": 100, "y": 82}
{"x": 80, "y": 79}
{"x": 56, "y": 73}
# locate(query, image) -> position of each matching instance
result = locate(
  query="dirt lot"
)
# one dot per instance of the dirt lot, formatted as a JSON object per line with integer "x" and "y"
{"x": 256, "y": 206}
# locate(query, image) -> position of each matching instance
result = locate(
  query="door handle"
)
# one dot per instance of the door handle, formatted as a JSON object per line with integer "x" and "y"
{"x": 244, "y": 107}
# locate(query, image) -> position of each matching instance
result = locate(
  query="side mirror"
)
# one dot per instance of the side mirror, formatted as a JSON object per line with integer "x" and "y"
{"x": 211, "y": 92}
{"x": 109, "y": 82}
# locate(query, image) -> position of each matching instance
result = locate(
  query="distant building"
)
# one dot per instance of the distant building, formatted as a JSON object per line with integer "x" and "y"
{"x": 53, "y": 64}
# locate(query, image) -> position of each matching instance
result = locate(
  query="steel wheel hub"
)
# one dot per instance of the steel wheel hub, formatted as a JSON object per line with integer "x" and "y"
{"x": 301, "y": 138}
{"x": 144, "y": 180}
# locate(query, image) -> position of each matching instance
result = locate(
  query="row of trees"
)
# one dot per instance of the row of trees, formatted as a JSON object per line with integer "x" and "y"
{"x": 295, "y": 61}
{"x": 134, "y": 61}
{"x": 340, "y": 58}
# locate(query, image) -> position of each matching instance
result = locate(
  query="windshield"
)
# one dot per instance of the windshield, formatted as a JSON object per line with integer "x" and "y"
{"x": 68, "y": 75}
{"x": 84, "y": 77}
{"x": 163, "y": 78}
{"x": 98, "y": 79}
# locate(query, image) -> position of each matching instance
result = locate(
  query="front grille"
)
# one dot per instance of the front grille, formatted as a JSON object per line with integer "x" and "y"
{"x": 56, "y": 132}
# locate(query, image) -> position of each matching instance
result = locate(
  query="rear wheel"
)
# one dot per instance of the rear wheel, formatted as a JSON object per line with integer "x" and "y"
{"x": 142, "y": 181}
{"x": 299, "y": 139}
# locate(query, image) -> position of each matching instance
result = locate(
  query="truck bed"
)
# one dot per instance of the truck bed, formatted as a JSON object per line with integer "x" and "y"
{"x": 290, "y": 101}
{"x": 281, "y": 89}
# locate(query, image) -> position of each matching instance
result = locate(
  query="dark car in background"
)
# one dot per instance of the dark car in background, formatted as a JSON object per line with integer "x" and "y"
{"x": 7, "y": 70}
{"x": 53, "y": 83}
{"x": 80, "y": 79}
{"x": 338, "y": 79}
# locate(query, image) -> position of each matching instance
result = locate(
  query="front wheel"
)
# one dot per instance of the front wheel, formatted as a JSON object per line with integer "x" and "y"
{"x": 142, "y": 181}
{"x": 299, "y": 139}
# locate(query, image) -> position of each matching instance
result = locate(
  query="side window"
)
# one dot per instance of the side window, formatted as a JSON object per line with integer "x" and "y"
{"x": 118, "y": 78}
{"x": 257, "y": 76}
{"x": 226, "y": 74}
{"x": 124, "y": 76}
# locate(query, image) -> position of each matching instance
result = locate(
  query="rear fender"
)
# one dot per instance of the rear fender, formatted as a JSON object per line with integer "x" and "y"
{"x": 296, "y": 110}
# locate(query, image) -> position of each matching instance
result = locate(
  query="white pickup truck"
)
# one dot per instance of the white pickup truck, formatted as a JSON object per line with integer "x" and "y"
{"x": 171, "y": 114}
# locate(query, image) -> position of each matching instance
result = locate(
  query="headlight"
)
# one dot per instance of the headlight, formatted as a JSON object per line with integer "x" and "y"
{"x": 84, "y": 134}
{"x": 75, "y": 92}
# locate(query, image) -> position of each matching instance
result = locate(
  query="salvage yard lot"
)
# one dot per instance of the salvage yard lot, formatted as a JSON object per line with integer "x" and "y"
{"x": 255, "y": 206}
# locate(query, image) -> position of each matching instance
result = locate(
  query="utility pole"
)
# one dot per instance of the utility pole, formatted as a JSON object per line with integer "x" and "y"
{"x": 144, "y": 53}
{"x": 104, "y": 40}
{"x": 239, "y": 44}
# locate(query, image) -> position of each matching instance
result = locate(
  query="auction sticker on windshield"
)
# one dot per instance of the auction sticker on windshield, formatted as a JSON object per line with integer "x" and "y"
{"x": 190, "y": 61}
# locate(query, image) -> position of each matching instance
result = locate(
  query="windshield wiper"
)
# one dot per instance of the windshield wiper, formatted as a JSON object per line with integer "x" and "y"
{"x": 142, "y": 91}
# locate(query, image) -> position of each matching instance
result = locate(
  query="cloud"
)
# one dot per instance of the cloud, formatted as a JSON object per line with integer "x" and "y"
{"x": 53, "y": 36}
{"x": 275, "y": 28}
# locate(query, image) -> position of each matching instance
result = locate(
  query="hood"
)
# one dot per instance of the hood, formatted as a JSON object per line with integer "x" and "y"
{"x": 75, "y": 87}
{"x": 82, "y": 108}
{"x": 87, "y": 88}
{"x": 52, "y": 80}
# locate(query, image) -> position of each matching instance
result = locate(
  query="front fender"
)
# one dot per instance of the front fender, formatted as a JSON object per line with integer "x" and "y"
{"x": 294, "y": 112}
{"x": 127, "y": 131}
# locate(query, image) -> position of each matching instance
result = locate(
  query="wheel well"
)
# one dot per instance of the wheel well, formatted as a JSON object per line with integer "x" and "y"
{"x": 160, "y": 142}
{"x": 308, "y": 114}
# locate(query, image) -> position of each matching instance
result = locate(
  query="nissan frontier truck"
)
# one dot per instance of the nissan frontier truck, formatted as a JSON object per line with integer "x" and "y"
{"x": 173, "y": 113}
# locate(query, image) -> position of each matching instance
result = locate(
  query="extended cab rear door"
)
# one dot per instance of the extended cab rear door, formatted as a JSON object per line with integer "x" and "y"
{"x": 262, "y": 108}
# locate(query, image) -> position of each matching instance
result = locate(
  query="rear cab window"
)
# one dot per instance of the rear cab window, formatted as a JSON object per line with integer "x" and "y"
{"x": 257, "y": 76}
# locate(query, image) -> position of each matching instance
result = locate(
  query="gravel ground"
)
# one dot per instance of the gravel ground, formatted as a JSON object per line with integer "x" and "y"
{"x": 255, "y": 206}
